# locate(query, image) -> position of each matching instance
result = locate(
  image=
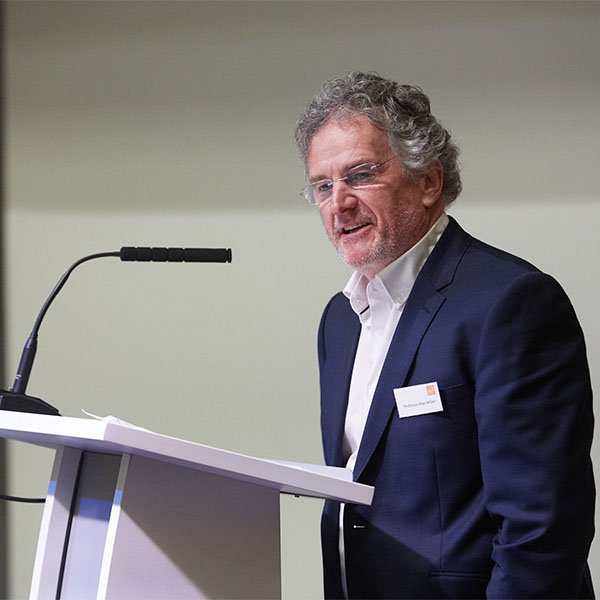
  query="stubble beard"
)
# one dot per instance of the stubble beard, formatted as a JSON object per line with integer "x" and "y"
{"x": 370, "y": 260}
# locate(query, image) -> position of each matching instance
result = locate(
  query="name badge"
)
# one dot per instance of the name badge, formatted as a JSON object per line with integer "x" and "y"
{"x": 418, "y": 400}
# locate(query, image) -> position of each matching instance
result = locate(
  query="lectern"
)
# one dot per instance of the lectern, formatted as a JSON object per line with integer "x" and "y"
{"x": 134, "y": 514}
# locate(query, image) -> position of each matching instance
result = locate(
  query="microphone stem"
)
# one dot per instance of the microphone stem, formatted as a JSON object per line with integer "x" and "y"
{"x": 25, "y": 364}
{"x": 29, "y": 350}
{"x": 59, "y": 286}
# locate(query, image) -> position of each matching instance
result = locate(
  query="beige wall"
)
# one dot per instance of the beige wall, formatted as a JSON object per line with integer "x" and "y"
{"x": 171, "y": 123}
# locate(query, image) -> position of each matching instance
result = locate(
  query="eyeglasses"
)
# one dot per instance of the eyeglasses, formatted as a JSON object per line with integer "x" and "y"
{"x": 357, "y": 177}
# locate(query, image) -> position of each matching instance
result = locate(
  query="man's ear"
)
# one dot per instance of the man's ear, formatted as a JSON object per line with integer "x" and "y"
{"x": 432, "y": 183}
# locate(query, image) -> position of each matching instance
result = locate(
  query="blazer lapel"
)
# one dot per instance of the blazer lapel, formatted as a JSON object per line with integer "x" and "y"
{"x": 335, "y": 379}
{"x": 415, "y": 320}
{"x": 421, "y": 308}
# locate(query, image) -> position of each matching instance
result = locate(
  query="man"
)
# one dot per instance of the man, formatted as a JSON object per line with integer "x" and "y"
{"x": 454, "y": 376}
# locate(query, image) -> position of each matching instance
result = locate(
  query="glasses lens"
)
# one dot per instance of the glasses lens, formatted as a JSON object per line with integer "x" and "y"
{"x": 319, "y": 191}
{"x": 362, "y": 175}
{"x": 308, "y": 194}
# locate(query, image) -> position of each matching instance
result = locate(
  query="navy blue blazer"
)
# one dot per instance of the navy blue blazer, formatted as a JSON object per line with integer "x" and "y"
{"x": 493, "y": 497}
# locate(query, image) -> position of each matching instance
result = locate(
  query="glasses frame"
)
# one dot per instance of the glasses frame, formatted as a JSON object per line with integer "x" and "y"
{"x": 309, "y": 193}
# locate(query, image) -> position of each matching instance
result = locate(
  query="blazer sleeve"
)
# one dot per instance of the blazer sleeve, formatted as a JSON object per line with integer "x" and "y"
{"x": 533, "y": 407}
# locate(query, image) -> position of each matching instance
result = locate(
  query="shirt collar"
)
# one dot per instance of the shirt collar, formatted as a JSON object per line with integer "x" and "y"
{"x": 399, "y": 276}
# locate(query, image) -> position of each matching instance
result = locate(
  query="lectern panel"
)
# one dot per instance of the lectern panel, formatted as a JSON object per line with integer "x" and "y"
{"x": 183, "y": 533}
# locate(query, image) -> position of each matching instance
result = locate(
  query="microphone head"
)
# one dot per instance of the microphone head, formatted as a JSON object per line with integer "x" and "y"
{"x": 145, "y": 254}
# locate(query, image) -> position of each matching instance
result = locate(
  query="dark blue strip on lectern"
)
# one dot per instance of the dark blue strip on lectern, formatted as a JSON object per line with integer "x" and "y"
{"x": 88, "y": 528}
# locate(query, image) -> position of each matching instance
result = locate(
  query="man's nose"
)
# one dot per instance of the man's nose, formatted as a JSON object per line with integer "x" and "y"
{"x": 343, "y": 197}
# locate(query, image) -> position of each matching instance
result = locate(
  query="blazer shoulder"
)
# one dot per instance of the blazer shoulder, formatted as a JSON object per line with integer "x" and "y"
{"x": 459, "y": 256}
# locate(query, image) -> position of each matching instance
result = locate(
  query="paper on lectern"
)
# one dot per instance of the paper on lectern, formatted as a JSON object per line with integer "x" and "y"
{"x": 115, "y": 420}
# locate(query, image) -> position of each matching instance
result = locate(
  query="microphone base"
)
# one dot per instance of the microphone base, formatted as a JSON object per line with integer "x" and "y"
{"x": 23, "y": 403}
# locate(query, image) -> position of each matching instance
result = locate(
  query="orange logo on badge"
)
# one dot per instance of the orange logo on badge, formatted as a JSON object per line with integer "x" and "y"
{"x": 430, "y": 390}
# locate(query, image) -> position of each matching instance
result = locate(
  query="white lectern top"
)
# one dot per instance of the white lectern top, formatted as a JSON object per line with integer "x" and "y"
{"x": 104, "y": 436}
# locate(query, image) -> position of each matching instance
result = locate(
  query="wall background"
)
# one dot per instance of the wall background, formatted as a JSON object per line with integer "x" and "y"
{"x": 171, "y": 123}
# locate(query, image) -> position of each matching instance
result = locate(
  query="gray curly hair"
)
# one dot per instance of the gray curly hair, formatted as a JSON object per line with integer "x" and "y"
{"x": 400, "y": 111}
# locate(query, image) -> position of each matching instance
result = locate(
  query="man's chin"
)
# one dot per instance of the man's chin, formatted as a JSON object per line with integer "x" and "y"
{"x": 362, "y": 263}
{"x": 354, "y": 255}
{"x": 368, "y": 263}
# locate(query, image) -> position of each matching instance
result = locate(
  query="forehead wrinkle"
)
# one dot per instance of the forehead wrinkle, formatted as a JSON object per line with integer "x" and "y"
{"x": 346, "y": 169}
{"x": 343, "y": 144}
{"x": 336, "y": 163}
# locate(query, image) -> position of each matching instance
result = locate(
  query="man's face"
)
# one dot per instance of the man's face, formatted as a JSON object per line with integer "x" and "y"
{"x": 372, "y": 226}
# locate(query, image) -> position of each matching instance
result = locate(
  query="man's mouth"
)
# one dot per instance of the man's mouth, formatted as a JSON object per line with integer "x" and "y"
{"x": 354, "y": 228}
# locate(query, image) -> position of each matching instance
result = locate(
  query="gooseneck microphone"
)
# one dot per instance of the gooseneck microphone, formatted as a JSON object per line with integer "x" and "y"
{"x": 16, "y": 399}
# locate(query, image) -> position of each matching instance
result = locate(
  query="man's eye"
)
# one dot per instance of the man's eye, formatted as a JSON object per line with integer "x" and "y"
{"x": 360, "y": 177}
{"x": 323, "y": 186}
